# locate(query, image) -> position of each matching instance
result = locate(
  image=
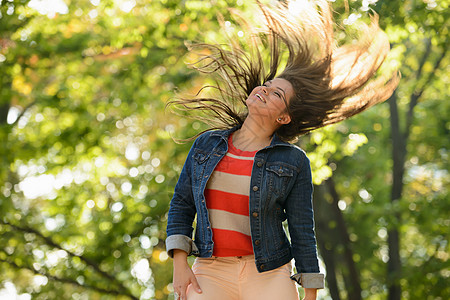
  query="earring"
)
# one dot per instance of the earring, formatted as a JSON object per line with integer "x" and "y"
{"x": 279, "y": 119}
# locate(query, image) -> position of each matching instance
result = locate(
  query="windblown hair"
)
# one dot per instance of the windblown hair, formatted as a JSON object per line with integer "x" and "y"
{"x": 331, "y": 83}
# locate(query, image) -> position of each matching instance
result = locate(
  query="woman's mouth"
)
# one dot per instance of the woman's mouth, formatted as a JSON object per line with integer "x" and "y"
{"x": 260, "y": 97}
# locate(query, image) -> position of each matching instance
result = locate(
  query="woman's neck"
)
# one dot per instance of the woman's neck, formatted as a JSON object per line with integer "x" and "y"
{"x": 252, "y": 136}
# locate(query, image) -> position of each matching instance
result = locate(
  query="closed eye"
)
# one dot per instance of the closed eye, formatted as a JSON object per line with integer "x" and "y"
{"x": 276, "y": 93}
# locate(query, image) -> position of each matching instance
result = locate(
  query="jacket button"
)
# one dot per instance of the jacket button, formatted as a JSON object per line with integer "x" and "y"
{"x": 259, "y": 164}
{"x": 255, "y": 188}
{"x": 257, "y": 242}
{"x": 262, "y": 267}
{"x": 255, "y": 214}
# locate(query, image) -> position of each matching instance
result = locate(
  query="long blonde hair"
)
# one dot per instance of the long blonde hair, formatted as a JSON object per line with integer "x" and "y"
{"x": 331, "y": 82}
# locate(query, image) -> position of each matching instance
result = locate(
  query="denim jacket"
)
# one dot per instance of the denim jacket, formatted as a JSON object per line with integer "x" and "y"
{"x": 280, "y": 189}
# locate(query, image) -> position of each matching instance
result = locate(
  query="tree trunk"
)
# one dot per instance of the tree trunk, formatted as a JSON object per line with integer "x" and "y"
{"x": 398, "y": 155}
{"x": 325, "y": 239}
{"x": 353, "y": 285}
{"x": 330, "y": 237}
{"x": 4, "y": 113}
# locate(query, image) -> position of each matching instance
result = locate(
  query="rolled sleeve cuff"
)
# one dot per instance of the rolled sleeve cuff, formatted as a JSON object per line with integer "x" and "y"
{"x": 182, "y": 242}
{"x": 309, "y": 280}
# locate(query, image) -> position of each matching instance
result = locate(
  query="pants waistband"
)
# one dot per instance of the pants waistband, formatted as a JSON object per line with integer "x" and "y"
{"x": 229, "y": 259}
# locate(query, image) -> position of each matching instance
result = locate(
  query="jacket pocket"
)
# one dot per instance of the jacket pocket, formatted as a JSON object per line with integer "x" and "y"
{"x": 283, "y": 170}
{"x": 279, "y": 175}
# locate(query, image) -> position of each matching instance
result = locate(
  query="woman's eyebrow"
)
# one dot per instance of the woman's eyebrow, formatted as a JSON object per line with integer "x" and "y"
{"x": 270, "y": 81}
{"x": 282, "y": 91}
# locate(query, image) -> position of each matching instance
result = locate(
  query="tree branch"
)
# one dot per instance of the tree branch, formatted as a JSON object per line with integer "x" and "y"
{"x": 49, "y": 80}
{"x": 418, "y": 75}
{"x": 23, "y": 112}
{"x": 418, "y": 93}
{"x": 89, "y": 262}
{"x": 64, "y": 280}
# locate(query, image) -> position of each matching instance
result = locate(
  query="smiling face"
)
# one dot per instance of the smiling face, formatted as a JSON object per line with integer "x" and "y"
{"x": 269, "y": 102}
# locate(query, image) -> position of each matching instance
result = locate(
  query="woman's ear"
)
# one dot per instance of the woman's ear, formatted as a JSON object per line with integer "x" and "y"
{"x": 284, "y": 119}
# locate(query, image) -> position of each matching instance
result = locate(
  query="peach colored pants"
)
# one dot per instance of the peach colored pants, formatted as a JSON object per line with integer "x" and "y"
{"x": 236, "y": 278}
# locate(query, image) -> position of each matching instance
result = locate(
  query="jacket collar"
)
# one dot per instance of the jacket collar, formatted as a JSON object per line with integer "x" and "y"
{"x": 276, "y": 141}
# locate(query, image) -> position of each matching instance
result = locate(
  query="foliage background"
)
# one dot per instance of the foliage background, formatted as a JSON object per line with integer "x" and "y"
{"x": 88, "y": 163}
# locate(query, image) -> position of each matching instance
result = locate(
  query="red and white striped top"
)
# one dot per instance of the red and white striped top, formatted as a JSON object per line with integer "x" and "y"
{"x": 227, "y": 200}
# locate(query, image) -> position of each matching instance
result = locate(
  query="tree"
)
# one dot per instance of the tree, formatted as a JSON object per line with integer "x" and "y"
{"x": 430, "y": 27}
{"x": 87, "y": 159}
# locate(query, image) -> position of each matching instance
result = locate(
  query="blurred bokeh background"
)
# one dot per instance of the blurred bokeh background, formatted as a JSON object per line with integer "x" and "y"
{"x": 88, "y": 163}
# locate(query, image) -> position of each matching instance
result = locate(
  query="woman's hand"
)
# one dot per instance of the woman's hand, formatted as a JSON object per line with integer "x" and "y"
{"x": 183, "y": 275}
{"x": 310, "y": 294}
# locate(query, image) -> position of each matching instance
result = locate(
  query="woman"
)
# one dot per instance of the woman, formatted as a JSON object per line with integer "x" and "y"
{"x": 243, "y": 181}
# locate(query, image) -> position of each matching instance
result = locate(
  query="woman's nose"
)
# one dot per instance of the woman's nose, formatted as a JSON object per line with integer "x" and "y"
{"x": 265, "y": 91}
